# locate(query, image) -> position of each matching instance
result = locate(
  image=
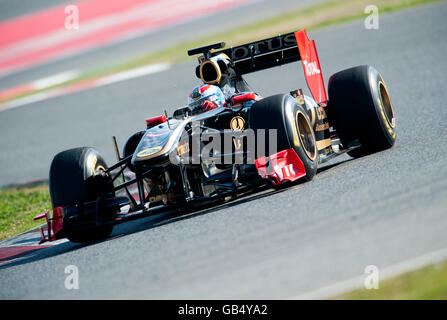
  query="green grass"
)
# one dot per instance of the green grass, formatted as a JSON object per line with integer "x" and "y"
{"x": 18, "y": 206}
{"x": 311, "y": 17}
{"x": 429, "y": 283}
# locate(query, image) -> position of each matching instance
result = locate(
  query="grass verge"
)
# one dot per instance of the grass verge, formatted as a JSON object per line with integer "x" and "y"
{"x": 429, "y": 283}
{"x": 19, "y": 205}
{"x": 311, "y": 17}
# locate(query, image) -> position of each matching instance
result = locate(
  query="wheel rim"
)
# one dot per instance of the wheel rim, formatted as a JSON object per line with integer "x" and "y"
{"x": 306, "y": 135}
{"x": 386, "y": 104}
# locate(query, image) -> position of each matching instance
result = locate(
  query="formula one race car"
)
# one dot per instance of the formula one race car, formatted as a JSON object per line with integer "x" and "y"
{"x": 227, "y": 141}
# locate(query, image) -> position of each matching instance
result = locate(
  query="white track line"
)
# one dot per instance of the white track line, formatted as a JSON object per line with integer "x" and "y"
{"x": 133, "y": 73}
{"x": 118, "y": 77}
{"x": 385, "y": 273}
{"x": 55, "y": 79}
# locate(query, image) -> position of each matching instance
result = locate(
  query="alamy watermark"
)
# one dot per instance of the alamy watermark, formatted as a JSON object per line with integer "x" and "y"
{"x": 199, "y": 145}
{"x": 72, "y": 17}
{"x": 372, "y": 278}
{"x": 372, "y": 20}
{"x": 72, "y": 279}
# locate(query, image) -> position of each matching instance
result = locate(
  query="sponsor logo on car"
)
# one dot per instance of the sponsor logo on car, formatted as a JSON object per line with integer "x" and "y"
{"x": 148, "y": 152}
{"x": 237, "y": 123}
{"x": 311, "y": 68}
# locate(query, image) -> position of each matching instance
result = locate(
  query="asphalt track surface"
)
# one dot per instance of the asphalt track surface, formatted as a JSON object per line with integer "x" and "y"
{"x": 377, "y": 210}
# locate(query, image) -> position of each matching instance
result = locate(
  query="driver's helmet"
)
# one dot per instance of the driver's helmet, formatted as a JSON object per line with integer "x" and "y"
{"x": 206, "y": 97}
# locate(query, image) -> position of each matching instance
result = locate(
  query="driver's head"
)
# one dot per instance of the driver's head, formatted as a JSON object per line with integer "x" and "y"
{"x": 206, "y": 97}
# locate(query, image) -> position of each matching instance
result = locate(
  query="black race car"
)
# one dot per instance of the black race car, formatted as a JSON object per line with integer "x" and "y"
{"x": 212, "y": 155}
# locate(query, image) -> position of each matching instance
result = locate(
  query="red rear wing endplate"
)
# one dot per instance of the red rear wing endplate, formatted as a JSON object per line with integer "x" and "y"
{"x": 311, "y": 65}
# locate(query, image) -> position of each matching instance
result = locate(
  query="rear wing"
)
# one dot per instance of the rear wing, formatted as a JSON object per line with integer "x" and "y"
{"x": 263, "y": 54}
{"x": 276, "y": 51}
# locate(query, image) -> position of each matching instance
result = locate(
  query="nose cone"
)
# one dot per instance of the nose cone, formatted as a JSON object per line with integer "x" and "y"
{"x": 152, "y": 142}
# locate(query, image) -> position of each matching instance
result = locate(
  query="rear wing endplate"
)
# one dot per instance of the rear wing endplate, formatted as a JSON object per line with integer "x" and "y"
{"x": 311, "y": 66}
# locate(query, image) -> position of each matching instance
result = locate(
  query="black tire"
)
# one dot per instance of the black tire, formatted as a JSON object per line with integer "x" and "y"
{"x": 76, "y": 176}
{"x": 284, "y": 113}
{"x": 360, "y": 109}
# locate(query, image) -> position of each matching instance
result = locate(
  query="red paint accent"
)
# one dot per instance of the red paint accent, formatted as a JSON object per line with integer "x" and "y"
{"x": 311, "y": 65}
{"x": 283, "y": 166}
{"x": 41, "y": 215}
{"x": 10, "y": 253}
{"x": 16, "y": 91}
{"x": 52, "y": 19}
{"x": 150, "y": 122}
{"x": 208, "y": 105}
{"x": 54, "y": 225}
{"x": 243, "y": 98}
{"x": 69, "y": 89}
{"x": 204, "y": 88}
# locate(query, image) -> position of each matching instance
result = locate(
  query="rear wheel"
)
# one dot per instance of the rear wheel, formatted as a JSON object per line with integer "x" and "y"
{"x": 294, "y": 130}
{"x": 360, "y": 108}
{"x": 77, "y": 176}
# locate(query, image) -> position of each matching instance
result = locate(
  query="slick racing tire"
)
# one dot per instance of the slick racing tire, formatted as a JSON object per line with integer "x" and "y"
{"x": 360, "y": 109}
{"x": 77, "y": 176}
{"x": 283, "y": 113}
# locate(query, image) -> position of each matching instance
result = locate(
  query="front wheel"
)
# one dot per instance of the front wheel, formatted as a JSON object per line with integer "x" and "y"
{"x": 294, "y": 130}
{"x": 360, "y": 108}
{"x": 77, "y": 176}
